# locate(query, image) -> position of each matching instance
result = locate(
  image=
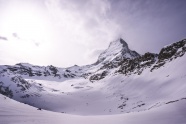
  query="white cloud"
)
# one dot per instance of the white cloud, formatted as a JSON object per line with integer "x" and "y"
{"x": 84, "y": 24}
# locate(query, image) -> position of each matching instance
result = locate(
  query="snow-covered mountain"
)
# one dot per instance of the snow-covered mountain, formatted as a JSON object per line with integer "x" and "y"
{"x": 117, "y": 51}
{"x": 121, "y": 81}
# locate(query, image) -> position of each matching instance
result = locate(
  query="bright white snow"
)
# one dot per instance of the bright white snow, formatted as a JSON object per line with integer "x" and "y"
{"x": 13, "y": 112}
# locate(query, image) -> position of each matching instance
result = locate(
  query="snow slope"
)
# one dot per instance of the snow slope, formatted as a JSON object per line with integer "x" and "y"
{"x": 12, "y": 112}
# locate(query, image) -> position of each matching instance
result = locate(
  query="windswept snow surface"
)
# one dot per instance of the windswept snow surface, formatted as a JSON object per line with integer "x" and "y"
{"x": 13, "y": 112}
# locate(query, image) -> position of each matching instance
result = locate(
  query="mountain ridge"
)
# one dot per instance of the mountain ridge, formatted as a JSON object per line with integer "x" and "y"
{"x": 93, "y": 86}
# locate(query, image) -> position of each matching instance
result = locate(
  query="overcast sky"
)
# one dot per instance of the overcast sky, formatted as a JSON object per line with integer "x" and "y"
{"x": 68, "y": 32}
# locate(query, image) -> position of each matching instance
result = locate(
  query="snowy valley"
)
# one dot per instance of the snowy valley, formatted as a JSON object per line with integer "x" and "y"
{"x": 120, "y": 86}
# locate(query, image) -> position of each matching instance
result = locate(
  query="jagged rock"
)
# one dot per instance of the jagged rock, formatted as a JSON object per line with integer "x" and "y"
{"x": 170, "y": 52}
{"x": 46, "y": 72}
{"x": 23, "y": 84}
{"x": 86, "y": 75}
{"x": 137, "y": 65}
{"x": 54, "y": 70}
{"x": 5, "y": 90}
{"x": 98, "y": 76}
{"x": 69, "y": 75}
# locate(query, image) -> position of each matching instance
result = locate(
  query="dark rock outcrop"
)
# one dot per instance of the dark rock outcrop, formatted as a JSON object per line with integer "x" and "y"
{"x": 98, "y": 76}
{"x": 5, "y": 90}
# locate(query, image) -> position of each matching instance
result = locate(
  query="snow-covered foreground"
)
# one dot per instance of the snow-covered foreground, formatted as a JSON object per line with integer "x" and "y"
{"x": 13, "y": 112}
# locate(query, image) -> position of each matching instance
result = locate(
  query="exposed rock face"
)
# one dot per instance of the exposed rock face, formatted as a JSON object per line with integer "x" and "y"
{"x": 20, "y": 82}
{"x": 98, "y": 76}
{"x": 5, "y": 90}
{"x": 166, "y": 54}
{"x": 170, "y": 52}
{"x": 137, "y": 65}
{"x": 54, "y": 70}
{"x": 23, "y": 70}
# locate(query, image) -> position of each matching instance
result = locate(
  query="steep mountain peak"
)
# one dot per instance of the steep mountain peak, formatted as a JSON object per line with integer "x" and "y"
{"x": 122, "y": 42}
{"x": 117, "y": 50}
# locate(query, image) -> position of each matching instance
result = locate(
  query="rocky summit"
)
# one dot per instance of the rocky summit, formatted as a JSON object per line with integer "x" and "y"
{"x": 117, "y": 51}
